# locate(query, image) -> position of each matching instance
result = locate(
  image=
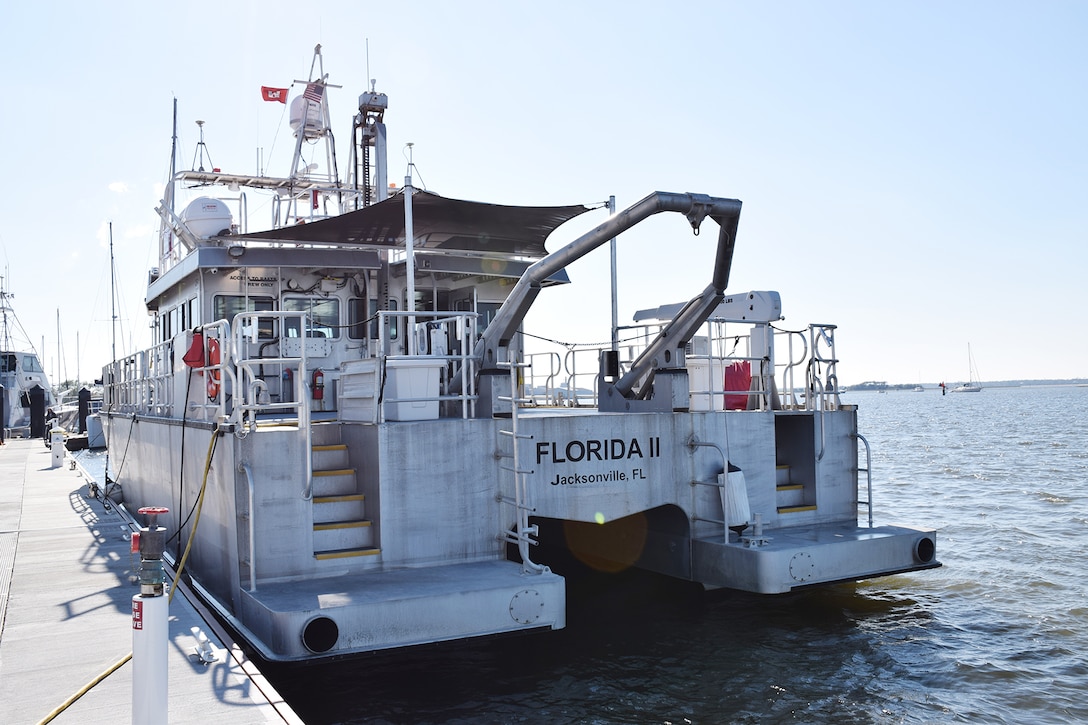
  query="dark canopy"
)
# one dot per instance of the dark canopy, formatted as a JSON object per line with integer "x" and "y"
{"x": 439, "y": 223}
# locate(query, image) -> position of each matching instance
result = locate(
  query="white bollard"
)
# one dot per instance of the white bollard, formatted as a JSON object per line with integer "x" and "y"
{"x": 56, "y": 444}
{"x": 150, "y": 637}
{"x": 150, "y": 625}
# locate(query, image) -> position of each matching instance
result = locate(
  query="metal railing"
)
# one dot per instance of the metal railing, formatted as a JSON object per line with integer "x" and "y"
{"x": 459, "y": 367}
{"x": 794, "y": 370}
{"x": 141, "y": 382}
{"x": 541, "y": 388}
{"x": 252, "y": 394}
{"x": 775, "y": 357}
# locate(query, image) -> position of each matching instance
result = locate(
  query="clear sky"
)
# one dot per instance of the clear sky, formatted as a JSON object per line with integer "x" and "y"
{"x": 915, "y": 173}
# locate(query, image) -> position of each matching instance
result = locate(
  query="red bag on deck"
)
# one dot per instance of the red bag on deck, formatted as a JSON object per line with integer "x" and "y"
{"x": 738, "y": 376}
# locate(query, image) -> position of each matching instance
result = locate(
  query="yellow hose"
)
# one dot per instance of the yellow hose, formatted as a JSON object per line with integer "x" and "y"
{"x": 177, "y": 577}
{"x": 199, "y": 507}
{"x": 85, "y": 689}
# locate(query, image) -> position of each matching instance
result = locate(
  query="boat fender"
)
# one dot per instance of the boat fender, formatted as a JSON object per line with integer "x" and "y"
{"x": 213, "y": 369}
{"x": 738, "y": 512}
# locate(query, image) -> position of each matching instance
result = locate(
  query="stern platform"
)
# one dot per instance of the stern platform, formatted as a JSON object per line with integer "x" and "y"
{"x": 789, "y": 558}
{"x": 298, "y": 620}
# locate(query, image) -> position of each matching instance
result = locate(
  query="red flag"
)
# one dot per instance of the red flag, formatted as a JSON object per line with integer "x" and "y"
{"x": 274, "y": 94}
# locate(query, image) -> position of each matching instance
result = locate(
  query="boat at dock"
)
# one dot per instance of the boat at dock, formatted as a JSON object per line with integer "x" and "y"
{"x": 27, "y": 394}
{"x": 360, "y": 452}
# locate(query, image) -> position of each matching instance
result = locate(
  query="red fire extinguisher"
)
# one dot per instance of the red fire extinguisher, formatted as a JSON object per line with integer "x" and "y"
{"x": 318, "y": 384}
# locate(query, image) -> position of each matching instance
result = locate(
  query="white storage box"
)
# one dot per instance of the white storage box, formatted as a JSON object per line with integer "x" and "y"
{"x": 705, "y": 376}
{"x": 411, "y": 378}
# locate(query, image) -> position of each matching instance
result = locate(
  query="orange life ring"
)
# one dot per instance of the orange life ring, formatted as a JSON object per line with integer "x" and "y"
{"x": 213, "y": 369}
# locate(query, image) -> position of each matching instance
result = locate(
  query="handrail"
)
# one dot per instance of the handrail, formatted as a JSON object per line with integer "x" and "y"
{"x": 693, "y": 443}
{"x": 252, "y": 528}
{"x": 570, "y": 366}
{"x": 789, "y": 387}
{"x": 220, "y": 330}
{"x": 829, "y": 385}
{"x": 245, "y": 326}
{"x": 555, "y": 366}
{"x": 868, "y": 475}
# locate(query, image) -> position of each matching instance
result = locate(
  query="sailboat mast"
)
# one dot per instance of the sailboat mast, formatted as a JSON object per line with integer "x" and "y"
{"x": 113, "y": 300}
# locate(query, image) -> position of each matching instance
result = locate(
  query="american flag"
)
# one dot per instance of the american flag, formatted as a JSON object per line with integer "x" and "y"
{"x": 313, "y": 92}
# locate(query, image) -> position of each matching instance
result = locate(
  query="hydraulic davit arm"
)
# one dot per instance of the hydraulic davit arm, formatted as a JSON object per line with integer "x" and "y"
{"x": 490, "y": 350}
{"x": 694, "y": 313}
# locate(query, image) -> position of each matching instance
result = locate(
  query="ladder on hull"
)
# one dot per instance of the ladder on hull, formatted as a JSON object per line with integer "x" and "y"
{"x": 521, "y": 534}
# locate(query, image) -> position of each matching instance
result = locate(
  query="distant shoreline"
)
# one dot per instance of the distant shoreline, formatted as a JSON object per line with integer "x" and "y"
{"x": 878, "y": 386}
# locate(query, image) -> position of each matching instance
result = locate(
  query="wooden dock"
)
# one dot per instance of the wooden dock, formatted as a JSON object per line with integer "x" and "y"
{"x": 66, "y": 613}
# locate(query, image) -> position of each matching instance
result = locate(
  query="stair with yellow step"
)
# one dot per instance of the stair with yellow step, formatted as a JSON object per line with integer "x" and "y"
{"x": 341, "y": 528}
{"x": 789, "y": 496}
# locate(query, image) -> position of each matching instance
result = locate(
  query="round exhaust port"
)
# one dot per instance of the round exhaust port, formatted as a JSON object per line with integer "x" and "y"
{"x": 320, "y": 634}
{"x": 925, "y": 549}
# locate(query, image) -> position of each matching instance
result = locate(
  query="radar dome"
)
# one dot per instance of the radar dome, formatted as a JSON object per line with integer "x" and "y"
{"x": 206, "y": 217}
{"x": 315, "y": 123}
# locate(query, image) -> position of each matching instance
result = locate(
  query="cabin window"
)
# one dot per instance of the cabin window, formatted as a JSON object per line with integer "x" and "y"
{"x": 359, "y": 311}
{"x": 324, "y": 314}
{"x": 8, "y": 363}
{"x": 485, "y": 311}
{"x": 391, "y": 322}
{"x": 174, "y": 323}
{"x": 187, "y": 313}
{"x": 31, "y": 364}
{"x": 227, "y": 306}
{"x": 175, "y": 320}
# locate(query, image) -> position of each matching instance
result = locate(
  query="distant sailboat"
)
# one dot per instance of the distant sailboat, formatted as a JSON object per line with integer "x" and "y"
{"x": 972, "y": 385}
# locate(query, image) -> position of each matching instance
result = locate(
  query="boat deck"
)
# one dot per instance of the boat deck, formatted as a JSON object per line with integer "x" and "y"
{"x": 65, "y": 611}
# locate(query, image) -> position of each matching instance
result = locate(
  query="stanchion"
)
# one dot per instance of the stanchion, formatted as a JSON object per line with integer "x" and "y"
{"x": 150, "y": 625}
